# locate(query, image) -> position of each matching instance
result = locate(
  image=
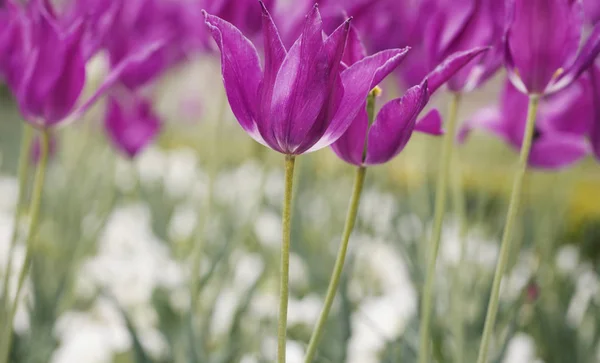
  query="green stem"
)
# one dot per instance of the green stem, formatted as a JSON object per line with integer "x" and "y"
{"x": 459, "y": 201}
{"x": 34, "y": 211}
{"x": 507, "y": 239}
{"x": 285, "y": 258}
{"x": 23, "y": 168}
{"x": 339, "y": 264}
{"x": 440, "y": 208}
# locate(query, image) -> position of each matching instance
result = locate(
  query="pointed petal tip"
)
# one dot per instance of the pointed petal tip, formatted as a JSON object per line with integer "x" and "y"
{"x": 263, "y": 7}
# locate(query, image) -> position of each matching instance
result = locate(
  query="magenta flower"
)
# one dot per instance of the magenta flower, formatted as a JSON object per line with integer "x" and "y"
{"x": 243, "y": 14}
{"x": 461, "y": 25}
{"x": 541, "y": 43}
{"x": 303, "y": 100}
{"x": 564, "y": 120}
{"x": 43, "y": 64}
{"x": 176, "y": 25}
{"x": 384, "y": 24}
{"x": 130, "y": 123}
{"x": 592, "y": 10}
{"x": 364, "y": 145}
{"x": 100, "y": 18}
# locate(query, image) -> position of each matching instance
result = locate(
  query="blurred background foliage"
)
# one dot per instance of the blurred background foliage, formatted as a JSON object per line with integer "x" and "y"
{"x": 114, "y": 281}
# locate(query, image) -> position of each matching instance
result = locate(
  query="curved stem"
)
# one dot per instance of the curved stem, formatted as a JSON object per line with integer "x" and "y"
{"x": 339, "y": 264}
{"x": 23, "y": 168}
{"x": 440, "y": 208}
{"x": 285, "y": 258}
{"x": 507, "y": 239}
{"x": 34, "y": 211}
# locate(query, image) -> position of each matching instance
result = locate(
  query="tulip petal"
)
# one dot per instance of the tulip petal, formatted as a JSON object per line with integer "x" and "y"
{"x": 334, "y": 48}
{"x": 394, "y": 125}
{"x": 557, "y": 150}
{"x": 132, "y": 126}
{"x": 275, "y": 54}
{"x": 66, "y": 91}
{"x": 430, "y": 124}
{"x": 350, "y": 147}
{"x": 114, "y": 76}
{"x": 355, "y": 49}
{"x": 358, "y": 80}
{"x": 542, "y": 37}
{"x": 488, "y": 119}
{"x": 301, "y": 85}
{"x": 584, "y": 60}
{"x": 46, "y": 63}
{"x": 241, "y": 71}
{"x": 442, "y": 73}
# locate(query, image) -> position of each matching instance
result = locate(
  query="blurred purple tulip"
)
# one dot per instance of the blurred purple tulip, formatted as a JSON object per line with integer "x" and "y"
{"x": 541, "y": 44}
{"x": 459, "y": 25}
{"x": 364, "y": 145}
{"x": 383, "y": 24}
{"x": 42, "y": 62}
{"x": 591, "y": 10}
{"x": 563, "y": 122}
{"x": 177, "y": 25}
{"x": 243, "y": 14}
{"x": 304, "y": 99}
{"x": 130, "y": 123}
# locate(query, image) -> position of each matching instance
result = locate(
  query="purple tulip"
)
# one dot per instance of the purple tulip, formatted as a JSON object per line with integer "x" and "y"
{"x": 564, "y": 119}
{"x": 243, "y": 14}
{"x": 541, "y": 43}
{"x": 42, "y": 62}
{"x": 304, "y": 99}
{"x": 177, "y": 25}
{"x": 364, "y": 145}
{"x": 465, "y": 24}
{"x": 592, "y": 10}
{"x": 130, "y": 123}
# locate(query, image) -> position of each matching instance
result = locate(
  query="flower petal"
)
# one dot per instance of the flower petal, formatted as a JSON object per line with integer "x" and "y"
{"x": 394, "y": 125}
{"x": 584, "y": 60}
{"x": 442, "y": 73}
{"x": 114, "y": 76}
{"x": 542, "y": 36}
{"x": 488, "y": 119}
{"x": 131, "y": 126}
{"x": 301, "y": 85}
{"x": 241, "y": 71}
{"x": 275, "y": 54}
{"x": 351, "y": 146}
{"x": 557, "y": 150}
{"x": 358, "y": 80}
{"x": 431, "y": 123}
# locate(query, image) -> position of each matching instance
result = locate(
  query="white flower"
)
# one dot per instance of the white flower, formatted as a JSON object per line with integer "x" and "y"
{"x": 521, "y": 349}
{"x": 268, "y": 229}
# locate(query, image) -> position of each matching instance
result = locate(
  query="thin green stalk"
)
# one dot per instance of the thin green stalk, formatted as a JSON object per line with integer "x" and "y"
{"x": 34, "y": 211}
{"x": 440, "y": 208}
{"x": 23, "y": 168}
{"x": 459, "y": 201}
{"x": 339, "y": 264}
{"x": 507, "y": 239}
{"x": 285, "y": 258}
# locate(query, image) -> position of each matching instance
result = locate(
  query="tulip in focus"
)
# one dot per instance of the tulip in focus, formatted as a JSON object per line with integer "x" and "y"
{"x": 302, "y": 99}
